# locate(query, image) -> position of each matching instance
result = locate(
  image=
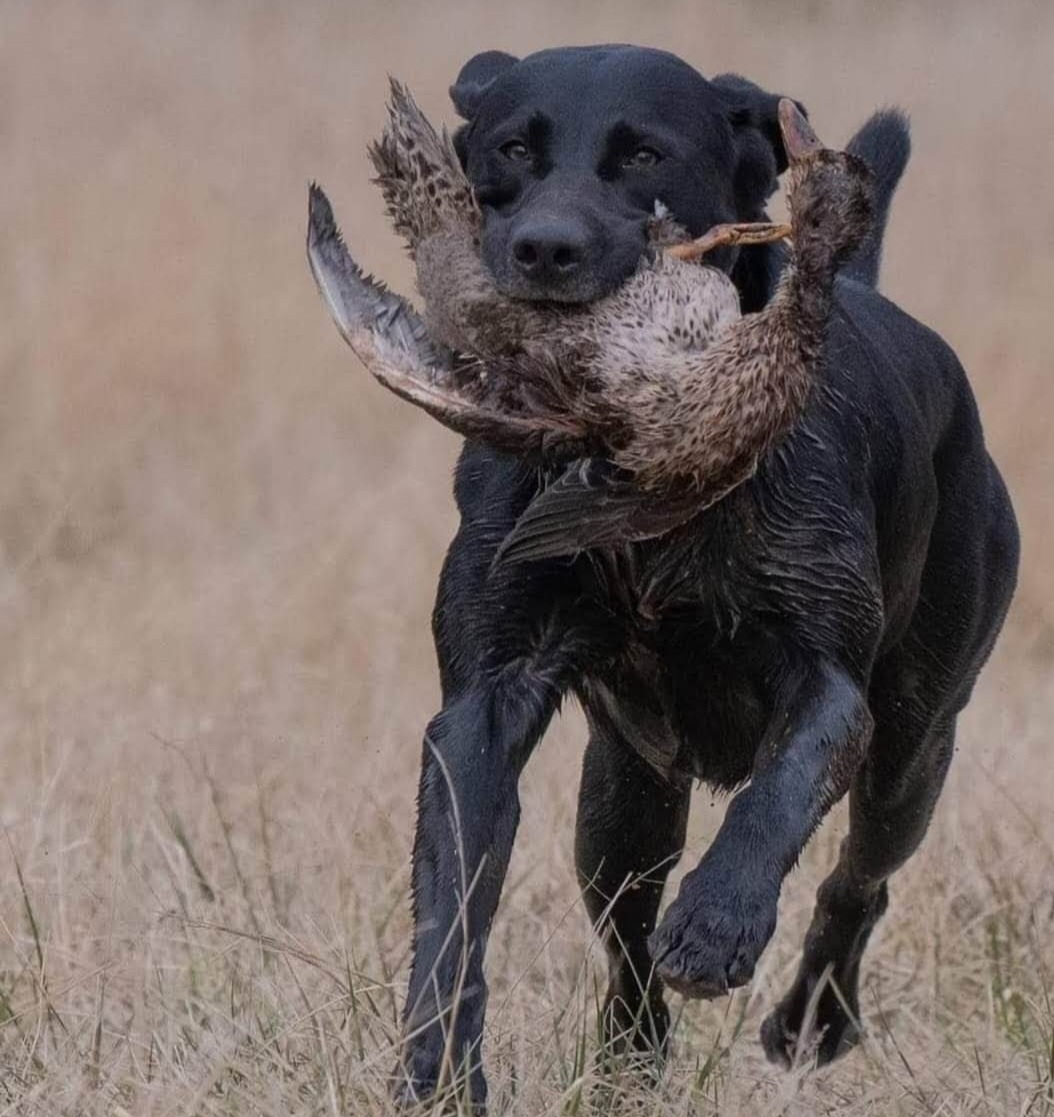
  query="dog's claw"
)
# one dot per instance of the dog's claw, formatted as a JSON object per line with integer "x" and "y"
{"x": 702, "y": 951}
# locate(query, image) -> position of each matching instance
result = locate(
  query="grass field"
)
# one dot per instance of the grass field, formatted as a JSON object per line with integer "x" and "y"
{"x": 219, "y": 543}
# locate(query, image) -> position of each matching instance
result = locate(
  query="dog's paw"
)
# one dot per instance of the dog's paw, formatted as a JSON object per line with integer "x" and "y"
{"x": 707, "y": 948}
{"x": 789, "y": 1038}
{"x": 635, "y": 1030}
{"x": 419, "y": 1085}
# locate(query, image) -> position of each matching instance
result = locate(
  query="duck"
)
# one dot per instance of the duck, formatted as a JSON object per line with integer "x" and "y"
{"x": 647, "y": 406}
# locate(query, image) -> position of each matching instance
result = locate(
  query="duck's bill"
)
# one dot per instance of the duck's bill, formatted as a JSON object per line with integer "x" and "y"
{"x": 390, "y": 339}
{"x": 730, "y": 235}
{"x": 799, "y": 140}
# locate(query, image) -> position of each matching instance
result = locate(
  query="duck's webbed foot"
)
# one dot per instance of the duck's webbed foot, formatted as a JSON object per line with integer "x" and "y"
{"x": 730, "y": 235}
{"x": 391, "y": 340}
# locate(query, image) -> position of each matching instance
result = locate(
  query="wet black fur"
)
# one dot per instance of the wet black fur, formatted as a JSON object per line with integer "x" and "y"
{"x": 816, "y": 633}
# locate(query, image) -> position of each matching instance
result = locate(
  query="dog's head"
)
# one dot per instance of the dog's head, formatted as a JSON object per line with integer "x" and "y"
{"x": 570, "y": 149}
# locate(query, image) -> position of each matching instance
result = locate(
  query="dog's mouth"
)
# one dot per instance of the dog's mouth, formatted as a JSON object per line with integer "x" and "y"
{"x": 661, "y": 236}
{"x": 580, "y": 293}
{"x": 563, "y": 258}
{"x": 578, "y": 289}
{"x": 559, "y": 254}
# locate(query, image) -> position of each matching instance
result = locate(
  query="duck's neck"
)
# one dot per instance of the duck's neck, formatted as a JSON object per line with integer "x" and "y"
{"x": 806, "y": 295}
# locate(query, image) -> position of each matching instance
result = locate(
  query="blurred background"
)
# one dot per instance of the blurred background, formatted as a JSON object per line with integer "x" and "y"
{"x": 219, "y": 539}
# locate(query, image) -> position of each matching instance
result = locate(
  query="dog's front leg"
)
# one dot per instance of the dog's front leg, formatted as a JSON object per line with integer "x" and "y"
{"x": 468, "y": 809}
{"x": 714, "y": 932}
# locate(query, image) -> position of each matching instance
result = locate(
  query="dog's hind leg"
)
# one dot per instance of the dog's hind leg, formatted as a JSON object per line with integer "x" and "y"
{"x": 891, "y": 802}
{"x": 915, "y": 694}
{"x": 629, "y": 835}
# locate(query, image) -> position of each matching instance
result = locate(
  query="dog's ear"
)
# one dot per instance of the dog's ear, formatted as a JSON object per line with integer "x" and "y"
{"x": 475, "y": 78}
{"x": 760, "y": 155}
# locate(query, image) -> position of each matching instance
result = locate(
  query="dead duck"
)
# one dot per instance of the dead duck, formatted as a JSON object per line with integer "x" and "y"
{"x": 666, "y": 397}
{"x": 430, "y": 203}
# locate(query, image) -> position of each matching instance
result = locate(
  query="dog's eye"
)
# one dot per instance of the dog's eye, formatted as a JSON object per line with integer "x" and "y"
{"x": 642, "y": 157}
{"x": 516, "y": 151}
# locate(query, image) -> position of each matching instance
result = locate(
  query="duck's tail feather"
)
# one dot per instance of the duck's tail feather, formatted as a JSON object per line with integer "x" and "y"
{"x": 884, "y": 143}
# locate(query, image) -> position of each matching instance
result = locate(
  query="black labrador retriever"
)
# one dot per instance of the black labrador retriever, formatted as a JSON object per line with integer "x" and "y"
{"x": 814, "y": 633}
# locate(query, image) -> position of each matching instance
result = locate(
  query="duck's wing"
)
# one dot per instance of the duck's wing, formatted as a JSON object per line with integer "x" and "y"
{"x": 358, "y": 303}
{"x": 390, "y": 339}
{"x": 593, "y": 504}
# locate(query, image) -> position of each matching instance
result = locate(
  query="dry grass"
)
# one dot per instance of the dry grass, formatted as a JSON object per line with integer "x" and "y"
{"x": 219, "y": 545}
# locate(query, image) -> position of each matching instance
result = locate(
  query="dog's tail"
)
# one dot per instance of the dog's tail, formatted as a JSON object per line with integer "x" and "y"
{"x": 884, "y": 143}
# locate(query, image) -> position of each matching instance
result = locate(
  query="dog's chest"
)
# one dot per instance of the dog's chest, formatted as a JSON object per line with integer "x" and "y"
{"x": 686, "y": 706}
{"x": 685, "y": 683}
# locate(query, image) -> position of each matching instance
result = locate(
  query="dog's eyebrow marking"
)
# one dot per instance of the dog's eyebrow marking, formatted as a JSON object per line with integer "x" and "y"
{"x": 533, "y": 127}
{"x": 623, "y": 134}
{"x": 539, "y": 132}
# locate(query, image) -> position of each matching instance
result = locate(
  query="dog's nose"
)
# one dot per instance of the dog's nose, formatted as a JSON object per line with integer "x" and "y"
{"x": 549, "y": 252}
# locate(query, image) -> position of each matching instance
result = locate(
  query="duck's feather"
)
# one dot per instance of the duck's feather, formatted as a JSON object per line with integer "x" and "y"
{"x": 390, "y": 339}
{"x": 357, "y": 301}
{"x": 592, "y": 504}
{"x": 425, "y": 189}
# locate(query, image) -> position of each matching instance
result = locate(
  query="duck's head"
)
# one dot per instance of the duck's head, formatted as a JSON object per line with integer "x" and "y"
{"x": 831, "y": 195}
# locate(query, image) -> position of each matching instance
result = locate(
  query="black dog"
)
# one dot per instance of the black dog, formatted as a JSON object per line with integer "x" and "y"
{"x": 814, "y": 633}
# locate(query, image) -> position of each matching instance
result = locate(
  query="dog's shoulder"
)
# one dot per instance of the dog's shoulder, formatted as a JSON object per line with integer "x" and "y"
{"x": 898, "y": 377}
{"x": 493, "y": 486}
